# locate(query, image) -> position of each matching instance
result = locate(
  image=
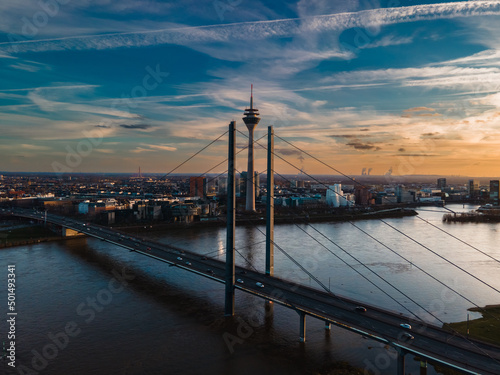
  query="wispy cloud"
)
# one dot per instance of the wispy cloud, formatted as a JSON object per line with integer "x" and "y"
{"x": 258, "y": 30}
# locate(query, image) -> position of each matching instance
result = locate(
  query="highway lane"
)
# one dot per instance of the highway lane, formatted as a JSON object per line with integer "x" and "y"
{"x": 379, "y": 324}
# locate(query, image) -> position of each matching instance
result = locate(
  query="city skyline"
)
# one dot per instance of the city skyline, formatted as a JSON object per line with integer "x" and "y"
{"x": 407, "y": 86}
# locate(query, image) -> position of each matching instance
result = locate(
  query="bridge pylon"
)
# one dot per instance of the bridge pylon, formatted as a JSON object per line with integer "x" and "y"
{"x": 270, "y": 203}
{"x": 231, "y": 222}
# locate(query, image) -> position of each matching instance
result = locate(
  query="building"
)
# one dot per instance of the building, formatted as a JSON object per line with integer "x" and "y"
{"x": 197, "y": 187}
{"x": 403, "y": 195}
{"x": 251, "y": 120}
{"x": 494, "y": 190}
{"x": 441, "y": 183}
{"x": 362, "y": 195}
{"x": 473, "y": 188}
{"x": 333, "y": 195}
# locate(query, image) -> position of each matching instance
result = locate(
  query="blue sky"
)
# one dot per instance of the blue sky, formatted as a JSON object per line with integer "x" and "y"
{"x": 108, "y": 86}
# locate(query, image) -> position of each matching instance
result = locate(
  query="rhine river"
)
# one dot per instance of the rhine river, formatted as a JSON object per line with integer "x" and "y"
{"x": 128, "y": 314}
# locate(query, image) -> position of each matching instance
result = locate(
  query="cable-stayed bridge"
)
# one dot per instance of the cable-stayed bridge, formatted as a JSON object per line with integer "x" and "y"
{"x": 426, "y": 341}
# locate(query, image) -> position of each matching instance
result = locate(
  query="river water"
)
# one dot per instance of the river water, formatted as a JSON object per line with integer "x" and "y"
{"x": 87, "y": 307}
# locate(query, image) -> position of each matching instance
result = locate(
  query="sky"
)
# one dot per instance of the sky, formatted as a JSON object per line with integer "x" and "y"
{"x": 401, "y": 87}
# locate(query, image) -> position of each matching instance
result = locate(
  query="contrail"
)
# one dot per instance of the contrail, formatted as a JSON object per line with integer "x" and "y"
{"x": 257, "y": 30}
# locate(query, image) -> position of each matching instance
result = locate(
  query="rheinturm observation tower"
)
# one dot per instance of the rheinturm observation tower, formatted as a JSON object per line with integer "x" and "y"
{"x": 251, "y": 120}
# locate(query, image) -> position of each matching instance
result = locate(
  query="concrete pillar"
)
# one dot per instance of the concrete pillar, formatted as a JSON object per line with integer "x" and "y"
{"x": 231, "y": 222}
{"x": 302, "y": 320}
{"x": 270, "y": 203}
{"x": 328, "y": 326}
{"x": 423, "y": 367}
{"x": 401, "y": 362}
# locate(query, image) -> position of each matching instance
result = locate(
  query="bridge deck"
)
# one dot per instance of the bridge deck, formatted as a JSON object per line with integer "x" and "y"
{"x": 431, "y": 342}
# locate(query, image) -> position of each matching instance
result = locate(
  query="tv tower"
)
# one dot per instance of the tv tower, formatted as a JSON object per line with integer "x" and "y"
{"x": 251, "y": 120}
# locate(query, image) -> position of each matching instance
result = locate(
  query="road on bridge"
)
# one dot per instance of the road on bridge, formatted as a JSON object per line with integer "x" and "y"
{"x": 424, "y": 340}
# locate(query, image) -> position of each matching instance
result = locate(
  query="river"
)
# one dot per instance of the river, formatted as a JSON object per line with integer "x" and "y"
{"x": 88, "y": 307}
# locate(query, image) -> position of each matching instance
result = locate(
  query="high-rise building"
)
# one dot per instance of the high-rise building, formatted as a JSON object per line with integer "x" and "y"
{"x": 441, "y": 183}
{"x": 473, "y": 188}
{"x": 251, "y": 120}
{"x": 333, "y": 195}
{"x": 494, "y": 192}
{"x": 197, "y": 187}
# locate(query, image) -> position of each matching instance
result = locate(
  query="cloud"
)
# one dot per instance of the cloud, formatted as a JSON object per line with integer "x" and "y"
{"x": 288, "y": 151}
{"x": 419, "y": 109}
{"x": 34, "y": 147}
{"x": 363, "y": 146}
{"x": 258, "y": 30}
{"x": 145, "y": 147}
{"x": 135, "y": 126}
{"x": 164, "y": 147}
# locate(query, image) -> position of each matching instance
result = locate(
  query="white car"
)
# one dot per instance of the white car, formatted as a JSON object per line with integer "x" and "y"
{"x": 240, "y": 281}
{"x": 260, "y": 285}
{"x": 405, "y": 325}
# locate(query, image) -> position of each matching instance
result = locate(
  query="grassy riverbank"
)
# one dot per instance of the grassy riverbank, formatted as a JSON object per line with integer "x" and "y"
{"x": 486, "y": 328}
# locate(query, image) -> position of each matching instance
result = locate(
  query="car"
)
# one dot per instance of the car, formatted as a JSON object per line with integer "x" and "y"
{"x": 210, "y": 271}
{"x": 240, "y": 281}
{"x": 179, "y": 258}
{"x": 188, "y": 263}
{"x": 203, "y": 258}
{"x": 405, "y": 325}
{"x": 405, "y": 336}
{"x": 360, "y": 308}
{"x": 259, "y": 284}
{"x": 148, "y": 249}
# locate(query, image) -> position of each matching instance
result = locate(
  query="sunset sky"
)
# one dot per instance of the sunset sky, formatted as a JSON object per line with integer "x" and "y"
{"x": 108, "y": 86}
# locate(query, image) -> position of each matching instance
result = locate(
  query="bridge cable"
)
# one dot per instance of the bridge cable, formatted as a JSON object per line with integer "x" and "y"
{"x": 482, "y": 309}
{"x": 456, "y": 332}
{"x": 424, "y": 309}
{"x": 198, "y": 152}
{"x": 458, "y": 239}
{"x": 364, "y": 265}
{"x": 399, "y": 231}
{"x": 359, "y": 183}
{"x": 440, "y": 256}
{"x": 421, "y": 269}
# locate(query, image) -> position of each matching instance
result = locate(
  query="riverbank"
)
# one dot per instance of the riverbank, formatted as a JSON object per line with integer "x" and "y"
{"x": 486, "y": 328}
{"x": 471, "y": 217}
{"x": 28, "y": 236}
{"x": 257, "y": 219}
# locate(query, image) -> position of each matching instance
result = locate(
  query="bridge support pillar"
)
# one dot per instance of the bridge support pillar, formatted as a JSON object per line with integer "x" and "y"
{"x": 423, "y": 367}
{"x": 231, "y": 223}
{"x": 270, "y": 203}
{"x": 302, "y": 320}
{"x": 401, "y": 362}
